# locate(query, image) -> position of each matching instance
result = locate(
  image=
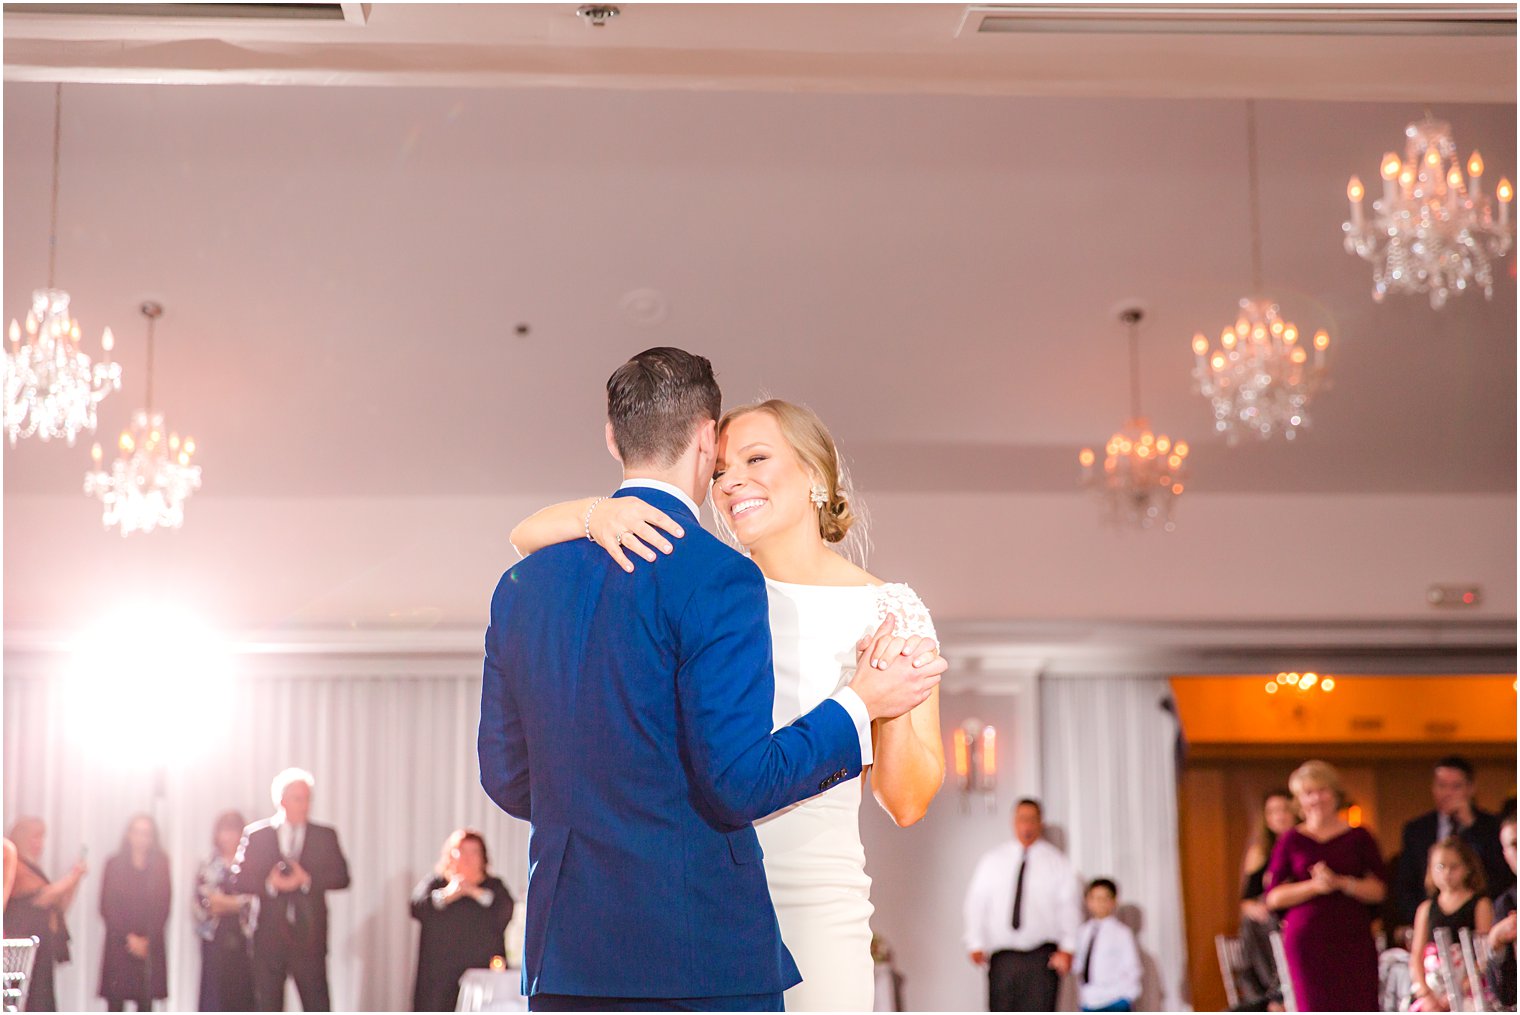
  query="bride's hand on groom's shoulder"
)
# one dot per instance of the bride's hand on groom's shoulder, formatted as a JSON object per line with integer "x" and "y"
{"x": 894, "y": 675}
{"x": 622, "y": 524}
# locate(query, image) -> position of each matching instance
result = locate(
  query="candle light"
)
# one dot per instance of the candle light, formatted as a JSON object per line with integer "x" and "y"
{"x": 1475, "y": 175}
{"x": 108, "y": 342}
{"x": 1391, "y": 170}
{"x": 962, "y": 757}
{"x": 1321, "y": 343}
{"x": 1506, "y": 194}
{"x": 989, "y": 758}
{"x": 1200, "y": 351}
{"x": 1356, "y": 192}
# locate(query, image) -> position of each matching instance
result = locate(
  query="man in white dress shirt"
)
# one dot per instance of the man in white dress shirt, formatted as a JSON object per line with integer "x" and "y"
{"x": 1023, "y": 909}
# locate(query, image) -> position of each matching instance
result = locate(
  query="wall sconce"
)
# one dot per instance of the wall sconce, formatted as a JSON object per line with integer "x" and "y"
{"x": 975, "y": 753}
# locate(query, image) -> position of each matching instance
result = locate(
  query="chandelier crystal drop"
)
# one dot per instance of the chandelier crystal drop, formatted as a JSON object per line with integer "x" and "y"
{"x": 51, "y": 386}
{"x": 1434, "y": 230}
{"x": 152, "y": 475}
{"x": 1262, "y": 376}
{"x": 1143, "y": 473}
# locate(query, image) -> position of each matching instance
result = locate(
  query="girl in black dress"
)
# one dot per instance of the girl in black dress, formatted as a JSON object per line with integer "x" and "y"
{"x": 134, "y": 899}
{"x": 1455, "y": 882}
{"x": 464, "y": 912}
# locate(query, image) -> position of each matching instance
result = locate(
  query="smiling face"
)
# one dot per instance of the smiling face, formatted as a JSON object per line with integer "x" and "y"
{"x": 1279, "y": 815}
{"x": 760, "y": 485}
{"x": 1318, "y": 801}
{"x": 1452, "y": 790}
{"x": 467, "y": 860}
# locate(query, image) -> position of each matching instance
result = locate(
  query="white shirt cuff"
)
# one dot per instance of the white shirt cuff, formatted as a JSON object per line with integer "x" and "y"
{"x": 486, "y": 897}
{"x": 439, "y": 902}
{"x": 854, "y": 705}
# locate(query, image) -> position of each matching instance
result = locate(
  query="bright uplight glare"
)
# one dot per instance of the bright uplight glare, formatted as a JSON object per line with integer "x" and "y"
{"x": 149, "y": 687}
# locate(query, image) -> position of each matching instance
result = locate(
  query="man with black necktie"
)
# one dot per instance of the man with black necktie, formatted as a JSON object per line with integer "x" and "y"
{"x": 290, "y": 864}
{"x": 1023, "y": 908}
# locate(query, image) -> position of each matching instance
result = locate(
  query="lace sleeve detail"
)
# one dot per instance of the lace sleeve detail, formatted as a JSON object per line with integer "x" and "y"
{"x": 913, "y": 620}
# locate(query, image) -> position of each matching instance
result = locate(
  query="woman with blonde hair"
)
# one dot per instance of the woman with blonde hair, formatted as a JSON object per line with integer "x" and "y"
{"x": 779, "y": 490}
{"x": 1324, "y": 877}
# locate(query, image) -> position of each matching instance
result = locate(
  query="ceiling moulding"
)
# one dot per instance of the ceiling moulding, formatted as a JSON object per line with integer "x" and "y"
{"x": 193, "y": 13}
{"x": 1239, "y": 19}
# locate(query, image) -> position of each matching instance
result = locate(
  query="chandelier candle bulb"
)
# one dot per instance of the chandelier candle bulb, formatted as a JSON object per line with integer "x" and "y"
{"x": 1475, "y": 174}
{"x": 1506, "y": 194}
{"x": 1355, "y": 192}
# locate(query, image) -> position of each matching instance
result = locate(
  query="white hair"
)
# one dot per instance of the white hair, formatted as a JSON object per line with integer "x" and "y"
{"x": 282, "y": 782}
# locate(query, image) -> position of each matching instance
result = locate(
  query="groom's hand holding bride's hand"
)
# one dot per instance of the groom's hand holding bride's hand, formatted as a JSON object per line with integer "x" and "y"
{"x": 895, "y": 675}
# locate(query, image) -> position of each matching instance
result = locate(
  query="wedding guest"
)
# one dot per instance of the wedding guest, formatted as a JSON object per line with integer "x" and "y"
{"x": 1022, "y": 912}
{"x": 464, "y": 912}
{"x": 1323, "y": 877}
{"x": 1501, "y": 937}
{"x": 134, "y": 900}
{"x": 1108, "y": 963}
{"x": 1454, "y": 889}
{"x": 1453, "y": 789}
{"x": 1257, "y": 921}
{"x": 36, "y": 909}
{"x": 224, "y": 922}
{"x": 11, "y": 863}
{"x": 291, "y": 863}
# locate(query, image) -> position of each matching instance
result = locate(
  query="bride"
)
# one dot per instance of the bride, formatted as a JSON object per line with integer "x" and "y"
{"x": 778, "y": 489}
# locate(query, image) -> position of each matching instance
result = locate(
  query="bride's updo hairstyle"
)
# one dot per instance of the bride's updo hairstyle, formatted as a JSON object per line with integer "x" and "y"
{"x": 814, "y": 446}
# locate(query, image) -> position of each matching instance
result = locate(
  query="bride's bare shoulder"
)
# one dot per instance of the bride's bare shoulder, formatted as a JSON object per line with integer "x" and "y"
{"x": 844, "y": 572}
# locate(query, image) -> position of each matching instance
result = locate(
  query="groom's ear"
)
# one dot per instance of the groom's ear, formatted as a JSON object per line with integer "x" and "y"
{"x": 612, "y": 447}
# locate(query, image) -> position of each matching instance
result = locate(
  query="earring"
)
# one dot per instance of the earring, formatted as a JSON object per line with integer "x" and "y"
{"x": 818, "y": 495}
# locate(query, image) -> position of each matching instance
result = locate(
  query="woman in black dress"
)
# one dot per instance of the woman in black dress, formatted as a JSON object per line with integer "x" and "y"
{"x": 36, "y": 908}
{"x": 1257, "y": 921}
{"x": 464, "y": 912}
{"x": 134, "y": 899}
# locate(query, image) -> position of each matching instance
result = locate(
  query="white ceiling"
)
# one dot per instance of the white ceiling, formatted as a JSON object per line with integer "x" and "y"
{"x": 343, "y": 268}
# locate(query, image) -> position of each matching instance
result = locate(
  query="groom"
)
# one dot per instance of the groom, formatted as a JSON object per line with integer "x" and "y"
{"x": 628, "y": 717}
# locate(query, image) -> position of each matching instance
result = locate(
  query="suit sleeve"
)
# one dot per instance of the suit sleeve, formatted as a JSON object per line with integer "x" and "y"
{"x": 500, "y": 744}
{"x": 251, "y": 866}
{"x": 725, "y": 686}
{"x": 331, "y": 873}
{"x": 1409, "y": 878}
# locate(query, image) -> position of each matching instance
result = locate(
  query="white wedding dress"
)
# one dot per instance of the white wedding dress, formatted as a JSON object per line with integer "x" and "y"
{"x": 814, "y": 861}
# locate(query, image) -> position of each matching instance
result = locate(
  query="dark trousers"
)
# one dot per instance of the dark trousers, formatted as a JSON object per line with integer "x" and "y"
{"x": 736, "y": 1002}
{"x": 118, "y": 1004}
{"x": 274, "y": 958}
{"x": 1022, "y": 981}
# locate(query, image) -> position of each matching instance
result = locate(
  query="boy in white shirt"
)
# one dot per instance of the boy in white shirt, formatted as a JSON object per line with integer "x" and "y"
{"x": 1108, "y": 960}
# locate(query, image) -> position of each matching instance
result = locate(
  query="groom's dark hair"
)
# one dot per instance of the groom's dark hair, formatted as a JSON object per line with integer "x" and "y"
{"x": 656, "y": 400}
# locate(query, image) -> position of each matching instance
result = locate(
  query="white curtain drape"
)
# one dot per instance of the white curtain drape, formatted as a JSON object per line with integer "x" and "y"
{"x": 1110, "y": 784}
{"x": 393, "y": 753}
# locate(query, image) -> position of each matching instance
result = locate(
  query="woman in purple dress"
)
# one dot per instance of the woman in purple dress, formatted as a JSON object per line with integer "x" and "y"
{"x": 1325, "y": 877}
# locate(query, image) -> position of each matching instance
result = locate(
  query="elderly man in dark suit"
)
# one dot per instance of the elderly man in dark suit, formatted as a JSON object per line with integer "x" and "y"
{"x": 1456, "y": 813}
{"x": 290, "y": 864}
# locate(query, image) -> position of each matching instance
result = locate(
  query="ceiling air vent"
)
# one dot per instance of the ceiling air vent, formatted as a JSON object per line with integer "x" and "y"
{"x": 356, "y": 14}
{"x": 1239, "y": 19}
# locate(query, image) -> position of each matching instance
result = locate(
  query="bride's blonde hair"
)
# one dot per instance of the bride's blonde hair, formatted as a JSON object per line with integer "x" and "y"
{"x": 840, "y": 516}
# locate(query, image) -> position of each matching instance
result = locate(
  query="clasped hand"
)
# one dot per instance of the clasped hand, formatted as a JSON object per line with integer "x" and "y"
{"x": 894, "y": 675}
{"x": 1325, "y": 880}
{"x": 293, "y": 880}
{"x": 137, "y": 946}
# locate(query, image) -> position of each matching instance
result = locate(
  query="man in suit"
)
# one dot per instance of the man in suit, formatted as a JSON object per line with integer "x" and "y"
{"x": 290, "y": 864}
{"x": 628, "y": 717}
{"x": 1455, "y": 814}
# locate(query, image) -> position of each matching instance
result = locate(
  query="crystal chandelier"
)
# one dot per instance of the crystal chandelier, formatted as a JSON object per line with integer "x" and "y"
{"x": 51, "y": 387}
{"x": 1143, "y": 472}
{"x": 152, "y": 475}
{"x": 1431, "y": 231}
{"x": 1261, "y": 378}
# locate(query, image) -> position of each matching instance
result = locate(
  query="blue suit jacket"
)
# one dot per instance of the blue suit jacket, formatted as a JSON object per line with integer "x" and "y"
{"x": 628, "y": 718}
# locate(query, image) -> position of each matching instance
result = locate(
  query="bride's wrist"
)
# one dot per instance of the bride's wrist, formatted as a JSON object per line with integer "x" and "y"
{"x": 586, "y": 526}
